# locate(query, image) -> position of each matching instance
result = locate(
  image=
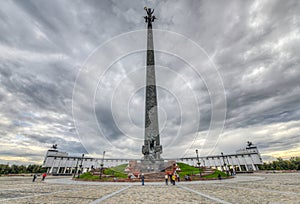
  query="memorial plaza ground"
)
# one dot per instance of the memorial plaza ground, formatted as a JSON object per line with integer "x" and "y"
{"x": 250, "y": 188}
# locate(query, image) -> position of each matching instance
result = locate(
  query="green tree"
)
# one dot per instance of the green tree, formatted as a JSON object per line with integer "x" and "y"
{"x": 280, "y": 164}
{"x": 14, "y": 169}
{"x": 4, "y": 168}
{"x": 22, "y": 169}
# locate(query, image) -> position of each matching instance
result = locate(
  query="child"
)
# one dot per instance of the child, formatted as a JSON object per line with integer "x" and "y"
{"x": 44, "y": 176}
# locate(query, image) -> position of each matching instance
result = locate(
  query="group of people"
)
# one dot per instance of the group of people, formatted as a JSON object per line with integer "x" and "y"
{"x": 35, "y": 177}
{"x": 187, "y": 178}
{"x": 172, "y": 177}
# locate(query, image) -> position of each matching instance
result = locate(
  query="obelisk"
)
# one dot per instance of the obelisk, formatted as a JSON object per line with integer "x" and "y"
{"x": 151, "y": 148}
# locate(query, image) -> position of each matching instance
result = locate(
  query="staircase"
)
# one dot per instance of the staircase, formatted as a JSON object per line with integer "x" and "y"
{"x": 207, "y": 171}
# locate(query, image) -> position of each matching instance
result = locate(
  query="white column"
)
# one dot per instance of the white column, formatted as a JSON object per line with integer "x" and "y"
{"x": 51, "y": 169}
{"x": 253, "y": 166}
{"x": 233, "y": 166}
{"x": 215, "y": 162}
{"x": 246, "y": 163}
{"x": 238, "y": 161}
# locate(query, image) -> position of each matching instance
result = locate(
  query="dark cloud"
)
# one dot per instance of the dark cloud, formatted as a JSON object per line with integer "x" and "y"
{"x": 43, "y": 44}
{"x": 107, "y": 125}
{"x": 64, "y": 144}
{"x": 18, "y": 154}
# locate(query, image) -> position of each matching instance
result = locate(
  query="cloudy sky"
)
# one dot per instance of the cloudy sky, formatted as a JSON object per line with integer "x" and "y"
{"x": 72, "y": 73}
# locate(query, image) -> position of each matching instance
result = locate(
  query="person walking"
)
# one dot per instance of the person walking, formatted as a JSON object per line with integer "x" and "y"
{"x": 44, "y": 176}
{"x": 173, "y": 179}
{"x": 34, "y": 177}
{"x": 166, "y": 179}
{"x": 143, "y": 179}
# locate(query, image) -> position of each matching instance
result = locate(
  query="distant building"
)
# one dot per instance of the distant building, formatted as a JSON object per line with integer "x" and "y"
{"x": 247, "y": 159}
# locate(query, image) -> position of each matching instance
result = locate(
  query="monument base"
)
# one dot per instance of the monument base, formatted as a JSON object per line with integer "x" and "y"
{"x": 152, "y": 165}
{"x": 144, "y": 166}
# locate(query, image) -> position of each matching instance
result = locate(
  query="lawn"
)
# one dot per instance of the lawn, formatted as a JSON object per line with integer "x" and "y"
{"x": 117, "y": 171}
{"x": 215, "y": 175}
{"x": 191, "y": 171}
{"x": 187, "y": 170}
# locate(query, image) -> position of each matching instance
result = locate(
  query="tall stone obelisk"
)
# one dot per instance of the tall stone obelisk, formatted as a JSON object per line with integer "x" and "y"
{"x": 151, "y": 148}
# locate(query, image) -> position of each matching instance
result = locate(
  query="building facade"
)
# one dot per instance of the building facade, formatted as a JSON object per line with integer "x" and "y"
{"x": 247, "y": 159}
{"x": 244, "y": 160}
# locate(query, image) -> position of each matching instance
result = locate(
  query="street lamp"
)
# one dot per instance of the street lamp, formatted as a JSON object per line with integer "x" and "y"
{"x": 76, "y": 168}
{"x": 80, "y": 166}
{"x": 101, "y": 169}
{"x": 198, "y": 162}
{"x": 224, "y": 162}
{"x": 228, "y": 165}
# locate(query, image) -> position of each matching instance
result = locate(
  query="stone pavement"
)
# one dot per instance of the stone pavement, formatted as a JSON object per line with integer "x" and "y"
{"x": 252, "y": 188}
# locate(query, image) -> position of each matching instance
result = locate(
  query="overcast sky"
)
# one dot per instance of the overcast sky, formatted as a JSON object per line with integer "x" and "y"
{"x": 72, "y": 73}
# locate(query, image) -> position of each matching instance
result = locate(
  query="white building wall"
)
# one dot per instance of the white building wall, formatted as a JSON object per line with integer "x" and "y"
{"x": 247, "y": 159}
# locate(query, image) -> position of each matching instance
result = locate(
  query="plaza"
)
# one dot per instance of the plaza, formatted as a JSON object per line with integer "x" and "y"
{"x": 109, "y": 84}
{"x": 244, "y": 188}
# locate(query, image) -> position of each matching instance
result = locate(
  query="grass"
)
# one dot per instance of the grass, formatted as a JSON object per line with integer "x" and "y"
{"x": 215, "y": 175}
{"x": 120, "y": 168}
{"x": 191, "y": 171}
{"x": 88, "y": 176}
{"x": 186, "y": 167}
{"x": 118, "y": 172}
{"x": 187, "y": 170}
{"x": 114, "y": 173}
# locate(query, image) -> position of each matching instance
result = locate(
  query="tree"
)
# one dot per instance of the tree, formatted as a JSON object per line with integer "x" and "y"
{"x": 14, "y": 169}
{"x": 4, "y": 169}
{"x": 280, "y": 164}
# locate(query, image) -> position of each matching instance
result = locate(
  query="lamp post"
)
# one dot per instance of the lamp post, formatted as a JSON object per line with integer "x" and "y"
{"x": 76, "y": 168}
{"x": 224, "y": 162}
{"x": 101, "y": 165}
{"x": 198, "y": 162}
{"x": 228, "y": 165}
{"x": 80, "y": 166}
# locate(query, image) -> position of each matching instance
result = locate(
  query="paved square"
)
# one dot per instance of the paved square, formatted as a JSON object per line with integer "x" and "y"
{"x": 254, "y": 188}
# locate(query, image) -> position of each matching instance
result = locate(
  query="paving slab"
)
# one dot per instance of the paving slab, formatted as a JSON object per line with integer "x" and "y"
{"x": 252, "y": 188}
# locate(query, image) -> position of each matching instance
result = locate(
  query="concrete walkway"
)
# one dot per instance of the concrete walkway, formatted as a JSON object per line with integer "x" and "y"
{"x": 162, "y": 183}
{"x": 255, "y": 188}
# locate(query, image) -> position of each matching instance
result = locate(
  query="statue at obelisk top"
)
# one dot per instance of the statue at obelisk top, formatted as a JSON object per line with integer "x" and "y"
{"x": 151, "y": 148}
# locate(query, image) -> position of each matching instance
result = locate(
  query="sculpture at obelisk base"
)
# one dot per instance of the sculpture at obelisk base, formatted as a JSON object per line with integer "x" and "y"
{"x": 151, "y": 148}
